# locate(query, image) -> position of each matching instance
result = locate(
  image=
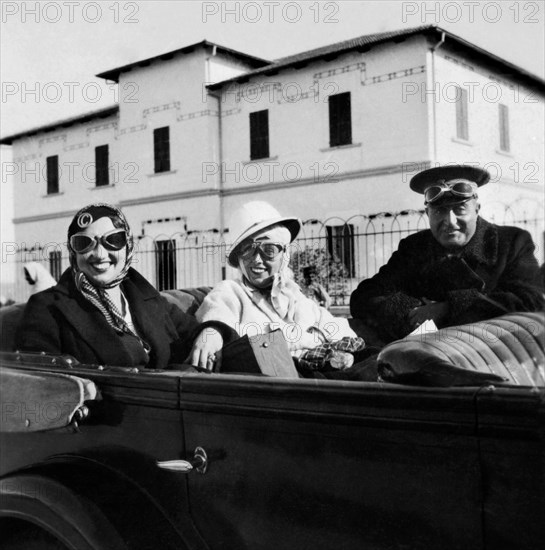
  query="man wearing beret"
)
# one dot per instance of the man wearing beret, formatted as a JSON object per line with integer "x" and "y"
{"x": 461, "y": 270}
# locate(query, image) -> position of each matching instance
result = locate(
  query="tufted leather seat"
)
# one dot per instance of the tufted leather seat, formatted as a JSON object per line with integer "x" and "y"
{"x": 511, "y": 347}
{"x": 187, "y": 299}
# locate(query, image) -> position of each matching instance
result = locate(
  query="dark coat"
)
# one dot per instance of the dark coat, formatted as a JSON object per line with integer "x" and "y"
{"x": 61, "y": 321}
{"x": 495, "y": 273}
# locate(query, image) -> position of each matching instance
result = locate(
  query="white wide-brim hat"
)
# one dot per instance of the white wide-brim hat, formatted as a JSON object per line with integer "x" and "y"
{"x": 253, "y": 217}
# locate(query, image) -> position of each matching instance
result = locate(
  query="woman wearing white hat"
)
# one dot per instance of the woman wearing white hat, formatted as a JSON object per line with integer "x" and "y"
{"x": 264, "y": 298}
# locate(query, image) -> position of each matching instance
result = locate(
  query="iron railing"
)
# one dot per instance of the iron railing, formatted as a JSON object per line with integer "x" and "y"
{"x": 343, "y": 252}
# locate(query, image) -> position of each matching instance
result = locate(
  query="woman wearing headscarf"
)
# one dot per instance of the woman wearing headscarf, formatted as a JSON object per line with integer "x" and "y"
{"x": 264, "y": 297}
{"x": 103, "y": 311}
{"x": 38, "y": 277}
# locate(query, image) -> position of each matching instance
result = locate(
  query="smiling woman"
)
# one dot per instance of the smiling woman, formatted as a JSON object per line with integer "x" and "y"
{"x": 102, "y": 310}
{"x": 266, "y": 298}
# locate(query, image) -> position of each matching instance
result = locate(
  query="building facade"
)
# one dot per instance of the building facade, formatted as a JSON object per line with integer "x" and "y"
{"x": 332, "y": 136}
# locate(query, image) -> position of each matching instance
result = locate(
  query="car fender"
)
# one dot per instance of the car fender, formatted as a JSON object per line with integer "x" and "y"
{"x": 71, "y": 518}
{"x": 70, "y": 492}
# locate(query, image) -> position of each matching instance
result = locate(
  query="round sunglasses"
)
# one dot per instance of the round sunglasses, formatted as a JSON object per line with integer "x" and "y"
{"x": 267, "y": 250}
{"x": 112, "y": 240}
{"x": 459, "y": 188}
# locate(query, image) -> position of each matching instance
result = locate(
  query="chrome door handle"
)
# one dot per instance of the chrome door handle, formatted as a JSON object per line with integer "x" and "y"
{"x": 199, "y": 463}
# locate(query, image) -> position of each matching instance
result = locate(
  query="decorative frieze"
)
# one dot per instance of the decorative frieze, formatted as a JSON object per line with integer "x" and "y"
{"x": 459, "y": 62}
{"x": 230, "y": 112}
{"x": 160, "y": 108}
{"x": 386, "y": 77}
{"x": 28, "y": 157}
{"x": 255, "y": 92}
{"x": 76, "y": 146}
{"x": 52, "y": 139}
{"x": 132, "y": 129}
{"x": 101, "y": 127}
{"x": 341, "y": 70}
{"x": 196, "y": 114}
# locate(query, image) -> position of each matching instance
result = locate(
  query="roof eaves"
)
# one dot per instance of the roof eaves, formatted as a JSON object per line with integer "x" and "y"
{"x": 360, "y": 43}
{"x": 79, "y": 119}
{"x": 364, "y": 43}
{"x": 527, "y": 75}
{"x": 113, "y": 74}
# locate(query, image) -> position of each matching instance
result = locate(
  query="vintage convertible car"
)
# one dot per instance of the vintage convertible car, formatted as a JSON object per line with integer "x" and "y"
{"x": 104, "y": 457}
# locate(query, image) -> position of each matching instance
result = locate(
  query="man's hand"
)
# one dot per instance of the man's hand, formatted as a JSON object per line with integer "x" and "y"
{"x": 205, "y": 352}
{"x": 436, "y": 311}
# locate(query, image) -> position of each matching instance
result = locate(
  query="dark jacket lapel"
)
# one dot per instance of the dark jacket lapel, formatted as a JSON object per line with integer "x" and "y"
{"x": 483, "y": 247}
{"x": 148, "y": 316}
{"x": 89, "y": 322}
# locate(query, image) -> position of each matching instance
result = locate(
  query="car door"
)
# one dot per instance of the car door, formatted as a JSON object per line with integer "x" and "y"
{"x": 511, "y": 426}
{"x": 297, "y": 464}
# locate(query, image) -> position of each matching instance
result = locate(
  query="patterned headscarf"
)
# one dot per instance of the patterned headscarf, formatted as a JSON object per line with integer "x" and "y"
{"x": 91, "y": 213}
{"x": 97, "y": 294}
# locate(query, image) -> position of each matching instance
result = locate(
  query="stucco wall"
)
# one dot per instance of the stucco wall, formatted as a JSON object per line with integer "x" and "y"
{"x": 385, "y": 130}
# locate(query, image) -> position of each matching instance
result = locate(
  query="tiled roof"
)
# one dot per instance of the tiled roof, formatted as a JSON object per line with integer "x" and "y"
{"x": 361, "y": 43}
{"x": 351, "y": 44}
{"x": 113, "y": 74}
{"x": 365, "y": 42}
{"x": 101, "y": 113}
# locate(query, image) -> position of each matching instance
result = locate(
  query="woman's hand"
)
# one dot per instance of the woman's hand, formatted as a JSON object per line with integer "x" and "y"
{"x": 205, "y": 352}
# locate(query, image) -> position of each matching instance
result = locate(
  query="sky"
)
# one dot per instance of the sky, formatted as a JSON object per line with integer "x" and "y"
{"x": 50, "y": 51}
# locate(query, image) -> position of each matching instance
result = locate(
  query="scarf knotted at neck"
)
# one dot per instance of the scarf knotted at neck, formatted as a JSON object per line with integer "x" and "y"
{"x": 283, "y": 296}
{"x": 102, "y": 301}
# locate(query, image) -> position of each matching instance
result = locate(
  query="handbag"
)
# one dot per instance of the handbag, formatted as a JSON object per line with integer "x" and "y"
{"x": 338, "y": 355}
{"x": 261, "y": 354}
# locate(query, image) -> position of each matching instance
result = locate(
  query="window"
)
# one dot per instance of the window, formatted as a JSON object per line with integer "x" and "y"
{"x": 504, "y": 127}
{"x": 102, "y": 175}
{"x": 462, "y": 130}
{"x": 55, "y": 264}
{"x": 52, "y": 175}
{"x": 165, "y": 257}
{"x": 161, "y": 149}
{"x": 340, "y": 245}
{"x": 340, "y": 120}
{"x": 259, "y": 135}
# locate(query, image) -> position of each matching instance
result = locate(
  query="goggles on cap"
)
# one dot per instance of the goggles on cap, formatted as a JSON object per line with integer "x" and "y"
{"x": 112, "y": 240}
{"x": 267, "y": 250}
{"x": 465, "y": 189}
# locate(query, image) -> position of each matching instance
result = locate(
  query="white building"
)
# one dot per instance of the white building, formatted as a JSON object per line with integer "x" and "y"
{"x": 333, "y": 134}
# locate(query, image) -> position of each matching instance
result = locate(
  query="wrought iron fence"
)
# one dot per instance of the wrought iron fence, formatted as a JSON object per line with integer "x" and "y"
{"x": 343, "y": 252}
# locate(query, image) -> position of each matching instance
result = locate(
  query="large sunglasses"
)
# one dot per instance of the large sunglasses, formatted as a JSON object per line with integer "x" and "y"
{"x": 267, "y": 250}
{"x": 112, "y": 240}
{"x": 465, "y": 189}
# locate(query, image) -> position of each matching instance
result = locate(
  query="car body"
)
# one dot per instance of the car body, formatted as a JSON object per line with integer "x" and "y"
{"x": 291, "y": 464}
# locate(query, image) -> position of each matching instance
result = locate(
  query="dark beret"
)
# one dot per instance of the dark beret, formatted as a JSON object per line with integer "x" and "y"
{"x": 432, "y": 176}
